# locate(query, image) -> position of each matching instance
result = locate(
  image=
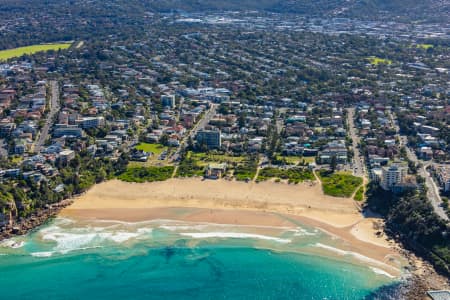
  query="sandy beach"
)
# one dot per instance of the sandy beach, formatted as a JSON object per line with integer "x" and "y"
{"x": 225, "y": 202}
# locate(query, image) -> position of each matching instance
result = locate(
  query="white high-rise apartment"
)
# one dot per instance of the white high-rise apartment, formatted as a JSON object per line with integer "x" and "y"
{"x": 393, "y": 175}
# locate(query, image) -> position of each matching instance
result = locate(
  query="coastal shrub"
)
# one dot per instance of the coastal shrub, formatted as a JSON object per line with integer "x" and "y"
{"x": 246, "y": 170}
{"x": 147, "y": 174}
{"x": 339, "y": 184}
{"x": 189, "y": 168}
{"x": 411, "y": 219}
{"x": 241, "y": 173}
{"x": 359, "y": 196}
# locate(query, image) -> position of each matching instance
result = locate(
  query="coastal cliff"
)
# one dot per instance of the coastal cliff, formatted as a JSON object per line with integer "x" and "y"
{"x": 19, "y": 226}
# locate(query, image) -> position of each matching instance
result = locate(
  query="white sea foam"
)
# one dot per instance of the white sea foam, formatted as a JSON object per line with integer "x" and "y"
{"x": 72, "y": 237}
{"x": 42, "y": 254}
{"x": 356, "y": 255}
{"x": 63, "y": 221}
{"x": 67, "y": 241}
{"x": 145, "y": 230}
{"x": 350, "y": 253}
{"x": 183, "y": 227}
{"x": 78, "y": 249}
{"x": 120, "y": 237}
{"x": 234, "y": 235}
{"x": 381, "y": 272}
{"x": 302, "y": 232}
{"x": 12, "y": 244}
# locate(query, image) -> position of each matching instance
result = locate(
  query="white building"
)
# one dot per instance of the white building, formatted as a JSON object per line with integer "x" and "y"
{"x": 168, "y": 101}
{"x": 92, "y": 122}
{"x": 393, "y": 175}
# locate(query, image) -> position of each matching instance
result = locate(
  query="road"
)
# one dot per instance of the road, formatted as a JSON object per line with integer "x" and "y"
{"x": 358, "y": 158}
{"x": 432, "y": 190}
{"x": 3, "y": 148}
{"x": 209, "y": 114}
{"x": 54, "y": 109}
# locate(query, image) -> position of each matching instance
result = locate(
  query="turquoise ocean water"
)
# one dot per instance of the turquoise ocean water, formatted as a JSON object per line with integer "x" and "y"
{"x": 162, "y": 259}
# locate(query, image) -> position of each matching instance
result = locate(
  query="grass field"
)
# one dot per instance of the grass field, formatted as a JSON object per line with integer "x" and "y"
{"x": 153, "y": 160}
{"x": 147, "y": 174}
{"x": 294, "y": 160}
{"x": 16, "y": 159}
{"x": 376, "y": 60}
{"x": 156, "y": 149}
{"x": 424, "y": 46}
{"x": 359, "y": 195}
{"x": 17, "y": 52}
{"x": 339, "y": 184}
{"x": 206, "y": 158}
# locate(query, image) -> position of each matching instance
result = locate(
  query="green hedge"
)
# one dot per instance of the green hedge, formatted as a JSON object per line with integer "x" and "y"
{"x": 190, "y": 168}
{"x": 147, "y": 174}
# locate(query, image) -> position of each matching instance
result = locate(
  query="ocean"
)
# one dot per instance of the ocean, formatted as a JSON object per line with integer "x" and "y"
{"x": 166, "y": 259}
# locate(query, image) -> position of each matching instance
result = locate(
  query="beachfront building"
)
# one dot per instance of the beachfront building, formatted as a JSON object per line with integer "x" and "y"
{"x": 215, "y": 171}
{"x": 443, "y": 176}
{"x": 210, "y": 138}
{"x": 393, "y": 175}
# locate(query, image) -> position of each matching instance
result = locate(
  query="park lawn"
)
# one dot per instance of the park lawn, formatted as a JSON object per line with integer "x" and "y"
{"x": 146, "y": 174}
{"x": 424, "y": 46}
{"x": 359, "y": 195}
{"x": 376, "y": 60}
{"x": 156, "y": 149}
{"x": 339, "y": 184}
{"x": 204, "y": 159}
{"x": 17, "y": 52}
{"x": 294, "y": 160}
{"x": 16, "y": 159}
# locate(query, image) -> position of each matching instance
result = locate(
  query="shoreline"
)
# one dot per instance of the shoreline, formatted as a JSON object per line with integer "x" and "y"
{"x": 236, "y": 203}
{"x": 375, "y": 253}
{"x": 25, "y": 225}
{"x": 250, "y": 204}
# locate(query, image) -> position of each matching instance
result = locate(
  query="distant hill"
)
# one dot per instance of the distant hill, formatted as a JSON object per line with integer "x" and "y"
{"x": 368, "y": 9}
{"x": 406, "y": 10}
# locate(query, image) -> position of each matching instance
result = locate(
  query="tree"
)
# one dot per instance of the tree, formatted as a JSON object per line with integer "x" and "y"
{"x": 333, "y": 163}
{"x": 164, "y": 139}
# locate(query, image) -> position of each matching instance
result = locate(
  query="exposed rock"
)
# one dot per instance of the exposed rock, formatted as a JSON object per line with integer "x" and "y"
{"x": 23, "y": 226}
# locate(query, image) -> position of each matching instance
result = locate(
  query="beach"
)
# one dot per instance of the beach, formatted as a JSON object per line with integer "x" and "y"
{"x": 266, "y": 204}
{"x": 193, "y": 238}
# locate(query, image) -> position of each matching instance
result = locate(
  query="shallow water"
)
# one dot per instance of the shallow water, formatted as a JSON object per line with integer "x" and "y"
{"x": 163, "y": 259}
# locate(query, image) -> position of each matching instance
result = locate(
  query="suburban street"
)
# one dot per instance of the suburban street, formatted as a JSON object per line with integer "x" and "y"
{"x": 3, "y": 148}
{"x": 198, "y": 126}
{"x": 358, "y": 159}
{"x": 432, "y": 189}
{"x": 54, "y": 109}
